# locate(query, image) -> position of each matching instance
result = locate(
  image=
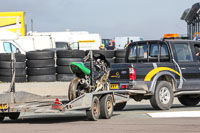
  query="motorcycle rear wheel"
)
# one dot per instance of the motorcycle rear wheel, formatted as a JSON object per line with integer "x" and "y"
{"x": 73, "y": 86}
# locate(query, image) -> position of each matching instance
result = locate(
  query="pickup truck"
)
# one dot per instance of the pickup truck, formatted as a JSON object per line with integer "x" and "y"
{"x": 159, "y": 71}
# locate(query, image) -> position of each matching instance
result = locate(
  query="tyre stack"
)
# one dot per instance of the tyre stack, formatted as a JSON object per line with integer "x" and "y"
{"x": 120, "y": 56}
{"x": 41, "y": 66}
{"x": 64, "y": 57}
{"x": 6, "y": 68}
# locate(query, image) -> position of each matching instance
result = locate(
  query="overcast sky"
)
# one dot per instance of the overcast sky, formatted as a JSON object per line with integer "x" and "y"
{"x": 147, "y": 18}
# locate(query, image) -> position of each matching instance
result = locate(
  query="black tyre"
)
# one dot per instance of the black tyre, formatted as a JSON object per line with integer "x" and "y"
{"x": 189, "y": 100}
{"x": 8, "y": 72}
{"x": 65, "y": 77}
{"x": 73, "y": 89}
{"x": 7, "y": 57}
{"x": 63, "y": 70}
{"x": 70, "y": 54}
{"x": 2, "y": 118}
{"x": 106, "y": 106}
{"x": 106, "y": 53}
{"x": 94, "y": 113}
{"x": 40, "y": 55}
{"x": 14, "y": 116}
{"x": 120, "y": 53}
{"x": 7, "y": 65}
{"x": 163, "y": 96}
{"x": 40, "y": 63}
{"x": 8, "y": 79}
{"x": 42, "y": 78}
{"x": 66, "y": 61}
{"x": 110, "y": 60}
{"x": 119, "y": 60}
{"x": 119, "y": 106}
{"x": 41, "y": 71}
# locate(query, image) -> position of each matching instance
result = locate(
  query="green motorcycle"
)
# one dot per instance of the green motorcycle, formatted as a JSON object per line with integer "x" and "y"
{"x": 89, "y": 79}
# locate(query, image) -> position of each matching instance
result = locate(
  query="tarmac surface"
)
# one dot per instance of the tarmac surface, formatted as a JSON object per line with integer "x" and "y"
{"x": 136, "y": 117}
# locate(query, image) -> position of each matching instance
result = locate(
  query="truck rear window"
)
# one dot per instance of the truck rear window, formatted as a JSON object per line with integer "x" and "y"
{"x": 149, "y": 53}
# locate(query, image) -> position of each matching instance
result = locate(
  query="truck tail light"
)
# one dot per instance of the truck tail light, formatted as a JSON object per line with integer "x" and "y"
{"x": 132, "y": 73}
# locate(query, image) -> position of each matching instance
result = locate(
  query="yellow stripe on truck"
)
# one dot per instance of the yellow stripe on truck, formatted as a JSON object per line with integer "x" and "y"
{"x": 156, "y": 70}
{"x": 86, "y": 41}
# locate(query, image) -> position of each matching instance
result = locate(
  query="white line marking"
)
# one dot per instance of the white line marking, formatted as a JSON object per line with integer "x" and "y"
{"x": 175, "y": 114}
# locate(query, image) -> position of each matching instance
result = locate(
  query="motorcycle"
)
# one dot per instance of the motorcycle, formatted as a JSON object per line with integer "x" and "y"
{"x": 92, "y": 79}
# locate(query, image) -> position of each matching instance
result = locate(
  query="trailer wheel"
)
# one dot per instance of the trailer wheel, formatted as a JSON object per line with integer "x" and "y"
{"x": 2, "y": 118}
{"x": 106, "y": 107}
{"x": 14, "y": 116}
{"x": 163, "y": 96}
{"x": 119, "y": 106}
{"x": 94, "y": 113}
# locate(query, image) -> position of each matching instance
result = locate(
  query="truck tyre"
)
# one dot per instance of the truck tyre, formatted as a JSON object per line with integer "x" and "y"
{"x": 14, "y": 116}
{"x": 63, "y": 70}
{"x": 187, "y": 100}
{"x": 41, "y": 71}
{"x": 120, "y": 53}
{"x": 40, "y": 63}
{"x": 2, "y": 118}
{"x": 66, "y": 61}
{"x": 70, "y": 54}
{"x": 73, "y": 86}
{"x": 119, "y": 106}
{"x": 7, "y": 65}
{"x": 8, "y": 72}
{"x": 65, "y": 77}
{"x": 17, "y": 79}
{"x": 7, "y": 57}
{"x": 40, "y": 55}
{"x": 163, "y": 96}
{"x": 94, "y": 113}
{"x": 120, "y": 60}
{"x": 42, "y": 78}
{"x": 106, "y": 106}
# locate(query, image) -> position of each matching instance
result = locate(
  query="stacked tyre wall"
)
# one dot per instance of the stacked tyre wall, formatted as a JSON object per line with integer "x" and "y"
{"x": 64, "y": 57}
{"x": 41, "y": 66}
{"x": 6, "y": 68}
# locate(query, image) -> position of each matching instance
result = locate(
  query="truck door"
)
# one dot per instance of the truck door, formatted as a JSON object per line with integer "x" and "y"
{"x": 184, "y": 57}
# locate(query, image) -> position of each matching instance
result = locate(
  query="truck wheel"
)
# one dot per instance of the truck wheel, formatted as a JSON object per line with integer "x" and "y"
{"x": 73, "y": 89}
{"x": 94, "y": 113}
{"x": 106, "y": 107}
{"x": 2, "y": 118}
{"x": 187, "y": 100}
{"x": 163, "y": 96}
{"x": 119, "y": 106}
{"x": 14, "y": 116}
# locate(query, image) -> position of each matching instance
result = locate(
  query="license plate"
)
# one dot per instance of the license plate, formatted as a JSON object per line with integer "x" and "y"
{"x": 114, "y": 86}
{"x": 3, "y": 106}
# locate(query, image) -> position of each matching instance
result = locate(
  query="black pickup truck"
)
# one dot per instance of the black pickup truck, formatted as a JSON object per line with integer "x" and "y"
{"x": 159, "y": 71}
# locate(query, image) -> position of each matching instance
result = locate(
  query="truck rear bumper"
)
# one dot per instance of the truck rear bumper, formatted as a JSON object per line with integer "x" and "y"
{"x": 131, "y": 85}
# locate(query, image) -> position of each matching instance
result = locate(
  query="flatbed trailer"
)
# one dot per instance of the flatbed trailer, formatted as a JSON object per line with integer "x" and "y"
{"x": 95, "y": 104}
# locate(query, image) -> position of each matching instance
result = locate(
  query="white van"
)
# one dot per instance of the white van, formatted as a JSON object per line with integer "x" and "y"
{"x": 9, "y": 41}
{"x": 76, "y": 39}
{"x": 120, "y": 42}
